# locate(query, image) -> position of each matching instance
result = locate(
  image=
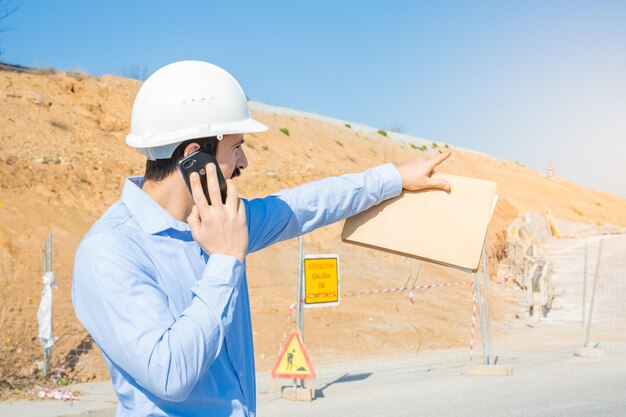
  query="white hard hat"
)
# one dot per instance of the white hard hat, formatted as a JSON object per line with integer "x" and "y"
{"x": 187, "y": 100}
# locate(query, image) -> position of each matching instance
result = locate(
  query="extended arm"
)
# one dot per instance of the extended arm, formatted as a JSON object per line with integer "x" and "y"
{"x": 302, "y": 209}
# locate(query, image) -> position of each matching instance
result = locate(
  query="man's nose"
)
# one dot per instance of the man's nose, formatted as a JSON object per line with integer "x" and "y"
{"x": 242, "y": 160}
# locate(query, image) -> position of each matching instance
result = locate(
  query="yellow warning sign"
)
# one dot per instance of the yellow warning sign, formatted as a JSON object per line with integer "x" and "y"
{"x": 293, "y": 361}
{"x": 321, "y": 280}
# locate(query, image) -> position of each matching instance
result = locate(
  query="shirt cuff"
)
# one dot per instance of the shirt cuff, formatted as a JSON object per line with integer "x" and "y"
{"x": 392, "y": 181}
{"x": 220, "y": 279}
{"x": 224, "y": 269}
{"x": 218, "y": 289}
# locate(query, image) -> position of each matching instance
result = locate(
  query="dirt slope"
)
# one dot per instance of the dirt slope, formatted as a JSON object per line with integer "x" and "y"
{"x": 63, "y": 161}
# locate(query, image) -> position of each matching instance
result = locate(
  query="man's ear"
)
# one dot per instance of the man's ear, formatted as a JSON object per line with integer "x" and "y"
{"x": 191, "y": 148}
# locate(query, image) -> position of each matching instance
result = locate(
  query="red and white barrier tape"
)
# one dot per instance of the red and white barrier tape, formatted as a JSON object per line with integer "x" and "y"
{"x": 390, "y": 291}
{"x": 473, "y": 320}
{"x": 288, "y": 326}
{"x": 402, "y": 289}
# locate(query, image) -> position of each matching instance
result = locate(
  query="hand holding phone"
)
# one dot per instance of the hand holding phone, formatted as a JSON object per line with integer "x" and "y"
{"x": 218, "y": 228}
{"x": 197, "y": 162}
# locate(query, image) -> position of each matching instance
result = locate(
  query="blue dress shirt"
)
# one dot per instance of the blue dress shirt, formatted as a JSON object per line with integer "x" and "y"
{"x": 172, "y": 321}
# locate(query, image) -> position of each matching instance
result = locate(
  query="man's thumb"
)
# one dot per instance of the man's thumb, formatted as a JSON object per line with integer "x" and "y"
{"x": 439, "y": 184}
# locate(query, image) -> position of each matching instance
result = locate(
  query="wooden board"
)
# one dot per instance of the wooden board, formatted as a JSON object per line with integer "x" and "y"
{"x": 432, "y": 225}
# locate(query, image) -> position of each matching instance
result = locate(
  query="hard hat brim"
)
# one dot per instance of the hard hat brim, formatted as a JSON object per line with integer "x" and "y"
{"x": 165, "y": 150}
{"x": 248, "y": 125}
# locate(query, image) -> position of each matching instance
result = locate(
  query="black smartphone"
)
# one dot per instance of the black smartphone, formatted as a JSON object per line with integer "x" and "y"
{"x": 197, "y": 162}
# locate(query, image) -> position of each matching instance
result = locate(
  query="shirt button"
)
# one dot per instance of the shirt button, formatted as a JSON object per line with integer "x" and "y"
{"x": 241, "y": 374}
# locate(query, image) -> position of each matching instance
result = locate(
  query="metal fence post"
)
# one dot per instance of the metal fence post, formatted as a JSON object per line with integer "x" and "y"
{"x": 49, "y": 251}
{"x": 593, "y": 292}
{"x": 300, "y": 307}
{"x": 300, "y": 310}
{"x": 47, "y": 350}
{"x": 480, "y": 315}
{"x": 582, "y": 328}
{"x": 487, "y": 319}
{"x": 45, "y": 266}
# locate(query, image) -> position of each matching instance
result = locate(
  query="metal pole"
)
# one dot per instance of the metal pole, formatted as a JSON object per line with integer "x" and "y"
{"x": 487, "y": 319}
{"x": 582, "y": 330}
{"x": 47, "y": 350}
{"x": 300, "y": 311}
{"x": 46, "y": 353}
{"x": 593, "y": 292}
{"x": 300, "y": 308}
{"x": 480, "y": 316}
{"x": 50, "y": 252}
{"x": 45, "y": 264}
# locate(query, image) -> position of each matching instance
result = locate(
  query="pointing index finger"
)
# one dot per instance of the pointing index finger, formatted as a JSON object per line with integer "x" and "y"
{"x": 436, "y": 161}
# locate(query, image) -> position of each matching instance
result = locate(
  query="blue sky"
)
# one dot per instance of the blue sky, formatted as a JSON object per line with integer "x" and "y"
{"x": 528, "y": 81}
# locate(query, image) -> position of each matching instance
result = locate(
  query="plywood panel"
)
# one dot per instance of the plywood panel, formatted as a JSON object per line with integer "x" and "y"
{"x": 446, "y": 228}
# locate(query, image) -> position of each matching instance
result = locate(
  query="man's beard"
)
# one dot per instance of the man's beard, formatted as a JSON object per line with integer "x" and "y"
{"x": 236, "y": 173}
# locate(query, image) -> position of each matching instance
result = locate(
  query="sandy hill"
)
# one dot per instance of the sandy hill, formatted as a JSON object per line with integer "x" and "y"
{"x": 63, "y": 162}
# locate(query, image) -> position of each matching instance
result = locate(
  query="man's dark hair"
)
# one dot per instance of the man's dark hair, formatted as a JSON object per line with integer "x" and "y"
{"x": 159, "y": 169}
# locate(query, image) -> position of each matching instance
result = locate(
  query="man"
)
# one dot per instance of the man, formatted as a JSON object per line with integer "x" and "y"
{"x": 159, "y": 280}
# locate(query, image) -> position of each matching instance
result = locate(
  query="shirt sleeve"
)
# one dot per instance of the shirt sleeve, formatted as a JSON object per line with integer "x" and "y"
{"x": 117, "y": 297}
{"x": 293, "y": 212}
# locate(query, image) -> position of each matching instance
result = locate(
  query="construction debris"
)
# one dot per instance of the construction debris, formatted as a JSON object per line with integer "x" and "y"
{"x": 528, "y": 264}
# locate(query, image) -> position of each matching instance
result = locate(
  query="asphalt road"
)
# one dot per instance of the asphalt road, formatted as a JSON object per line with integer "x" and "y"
{"x": 571, "y": 387}
{"x": 568, "y": 386}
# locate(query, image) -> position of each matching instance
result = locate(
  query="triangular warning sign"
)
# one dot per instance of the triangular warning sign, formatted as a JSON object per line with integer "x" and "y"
{"x": 293, "y": 361}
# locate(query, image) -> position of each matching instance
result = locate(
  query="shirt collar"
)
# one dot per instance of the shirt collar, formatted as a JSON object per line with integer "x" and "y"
{"x": 152, "y": 218}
